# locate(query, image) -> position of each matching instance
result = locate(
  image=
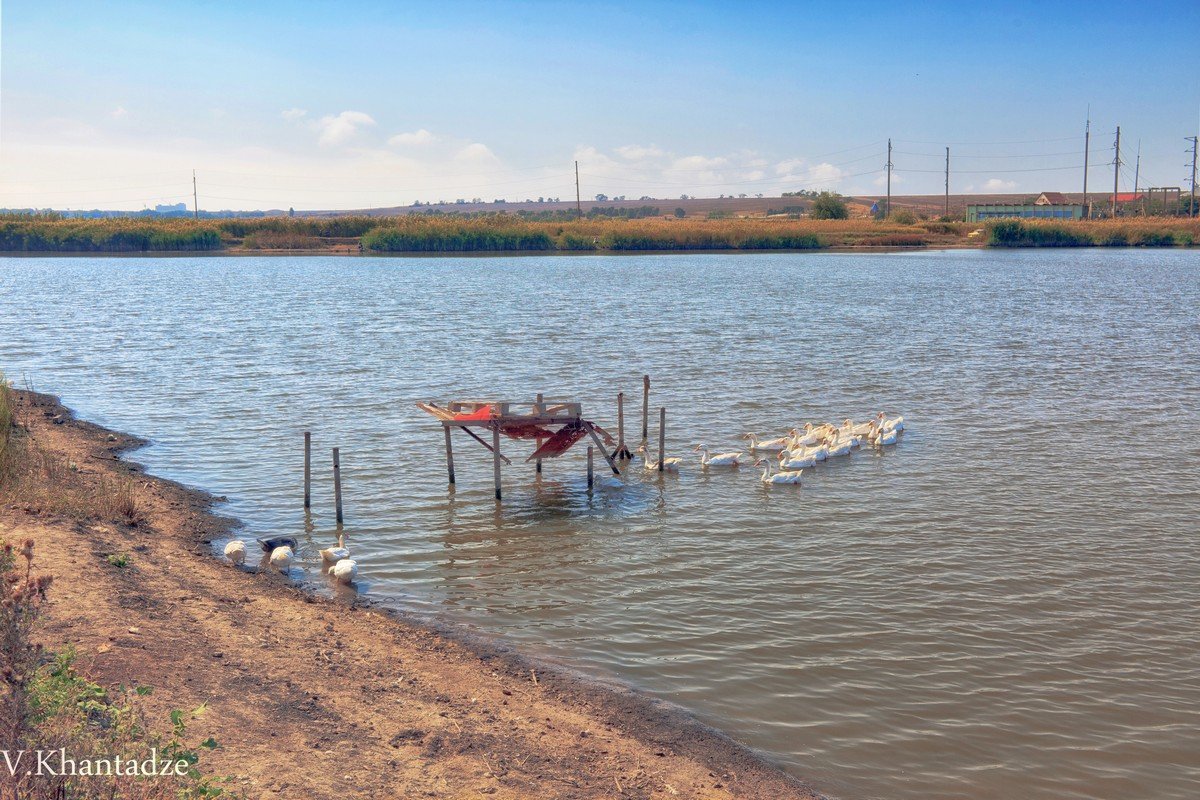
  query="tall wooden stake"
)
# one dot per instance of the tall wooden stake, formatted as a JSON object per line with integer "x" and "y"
{"x": 538, "y": 410}
{"x": 337, "y": 486}
{"x": 646, "y": 410}
{"x": 662, "y": 438}
{"x": 496, "y": 458}
{"x": 449, "y": 454}
{"x": 622, "y": 450}
{"x": 307, "y": 469}
{"x": 591, "y": 466}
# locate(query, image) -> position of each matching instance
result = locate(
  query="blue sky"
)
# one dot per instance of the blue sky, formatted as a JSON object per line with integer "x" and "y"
{"x": 355, "y": 104}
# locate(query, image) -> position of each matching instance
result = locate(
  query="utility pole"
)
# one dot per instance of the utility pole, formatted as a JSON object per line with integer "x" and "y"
{"x": 947, "y": 181}
{"x": 195, "y": 198}
{"x": 1116, "y": 170}
{"x": 1087, "y": 138}
{"x": 578, "y": 204}
{"x": 887, "y": 208}
{"x": 1192, "y": 204}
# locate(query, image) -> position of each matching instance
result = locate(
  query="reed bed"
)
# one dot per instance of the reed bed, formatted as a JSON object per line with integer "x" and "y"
{"x": 1139, "y": 232}
{"x": 501, "y": 232}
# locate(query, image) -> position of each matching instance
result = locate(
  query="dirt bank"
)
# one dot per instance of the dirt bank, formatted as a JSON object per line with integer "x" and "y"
{"x": 331, "y": 698}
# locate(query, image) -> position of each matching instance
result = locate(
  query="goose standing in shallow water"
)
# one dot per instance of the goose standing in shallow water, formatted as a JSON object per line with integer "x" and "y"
{"x": 719, "y": 460}
{"x": 332, "y": 555}
{"x": 345, "y": 571}
{"x": 669, "y": 464}
{"x": 281, "y": 558}
{"x": 790, "y": 477}
{"x": 235, "y": 551}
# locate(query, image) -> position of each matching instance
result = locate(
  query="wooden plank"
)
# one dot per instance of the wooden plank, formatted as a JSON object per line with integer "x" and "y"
{"x": 307, "y": 469}
{"x": 476, "y": 437}
{"x": 646, "y": 410}
{"x": 591, "y": 468}
{"x": 337, "y": 486}
{"x": 662, "y": 437}
{"x": 537, "y": 409}
{"x": 600, "y": 445}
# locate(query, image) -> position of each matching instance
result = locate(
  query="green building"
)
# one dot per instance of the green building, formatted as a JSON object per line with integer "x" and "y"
{"x": 1048, "y": 205}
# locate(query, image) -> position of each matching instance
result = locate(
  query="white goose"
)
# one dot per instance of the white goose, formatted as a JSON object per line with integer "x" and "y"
{"x": 719, "y": 460}
{"x": 778, "y": 478}
{"x": 806, "y": 437}
{"x": 768, "y": 444}
{"x": 798, "y": 459}
{"x": 671, "y": 464}
{"x": 896, "y": 423}
{"x": 344, "y": 571}
{"x": 235, "y": 551}
{"x": 281, "y": 558}
{"x": 886, "y": 436}
{"x": 332, "y": 555}
{"x": 838, "y": 446}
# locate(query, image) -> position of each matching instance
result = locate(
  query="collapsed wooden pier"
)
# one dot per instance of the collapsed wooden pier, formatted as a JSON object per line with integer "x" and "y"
{"x": 554, "y": 426}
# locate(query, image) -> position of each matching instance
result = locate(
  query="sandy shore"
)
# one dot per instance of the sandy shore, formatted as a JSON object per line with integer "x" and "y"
{"x": 333, "y": 698}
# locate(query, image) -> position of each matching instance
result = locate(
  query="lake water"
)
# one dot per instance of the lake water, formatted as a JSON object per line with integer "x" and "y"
{"x": 1006, "y": 604}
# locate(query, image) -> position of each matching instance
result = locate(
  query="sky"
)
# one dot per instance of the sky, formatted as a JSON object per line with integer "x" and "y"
{"x": 358, "y": 104}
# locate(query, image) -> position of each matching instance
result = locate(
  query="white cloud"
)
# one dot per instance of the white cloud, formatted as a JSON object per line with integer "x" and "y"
{"x": 636, "y": 152}
{"x": 998, "y": 185}
{"x": 476, "y": 151}
{"x": 333, "y": 130}
{"x": 418, "y": 137}
{"x": 293, "y": 113}
{"x": 118, "y": 112}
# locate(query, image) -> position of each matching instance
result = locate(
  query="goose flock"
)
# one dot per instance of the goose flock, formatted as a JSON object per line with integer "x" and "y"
{"x": 280, "y": 551}
{"x": 800, "y": 449}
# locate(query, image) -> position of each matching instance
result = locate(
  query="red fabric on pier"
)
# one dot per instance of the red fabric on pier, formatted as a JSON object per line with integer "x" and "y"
{"x": 560, "y": 442}
{"x": 481, "y": 415}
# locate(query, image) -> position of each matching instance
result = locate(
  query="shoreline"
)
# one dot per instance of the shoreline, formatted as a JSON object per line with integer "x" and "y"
{"x": 314, "y": 687}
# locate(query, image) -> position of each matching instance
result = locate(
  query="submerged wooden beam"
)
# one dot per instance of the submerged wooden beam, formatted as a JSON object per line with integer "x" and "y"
{"x": 449, "y": 454}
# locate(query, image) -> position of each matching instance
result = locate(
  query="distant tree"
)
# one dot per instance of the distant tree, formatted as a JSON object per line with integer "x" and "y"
{"x": 743, "y": 194}
{"x": 291, "y": 212}
{"x": 828, "y": 205}
{"x": 680, "y": 213}
{"x": 645, "y": 197}
{"x": 684, "y": 197}
{"x": 600, "y": 198}
{"x": 758, "y": 195}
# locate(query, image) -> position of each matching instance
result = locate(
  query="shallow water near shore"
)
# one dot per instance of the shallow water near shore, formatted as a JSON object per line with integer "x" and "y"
{"x": 1007, "y": 603}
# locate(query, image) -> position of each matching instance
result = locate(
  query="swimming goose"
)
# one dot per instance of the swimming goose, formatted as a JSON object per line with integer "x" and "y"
{"x": 669, "y": 464}
{"x": 791, "y": 476}
{"x": 798, "y": 459}
{"x": 235, "y": 551}
{"x": 767, "y": 444}
{"x": 885, "y": 423}
{"x": 838, "y": 446}
{"x": 719, "y": 460}
{"x": 885, "y": 437}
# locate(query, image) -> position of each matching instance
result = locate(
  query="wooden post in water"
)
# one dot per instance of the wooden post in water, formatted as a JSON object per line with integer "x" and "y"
{"x": 591, "y": 462}
{"x": 622, "y": 450}
{"x": 646, "y": 410}
{"x": 496, "y": 457}
{"x": 337, "y": 486}
{"x": 538, "y": 410}
{"x": 662, "y": 437}
{"x": 449, "y": 454}
{"x": 307, "y": 469}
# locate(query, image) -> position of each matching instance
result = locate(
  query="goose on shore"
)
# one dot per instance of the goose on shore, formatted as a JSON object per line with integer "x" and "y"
{"x": 789, "y": 477}
{"x": 344, "y": 571}
{"x": 719, "y": 460}
{"x": 671, "y": 464}
{"x": 281, "y": 558}
{"x": 235, "y": 551}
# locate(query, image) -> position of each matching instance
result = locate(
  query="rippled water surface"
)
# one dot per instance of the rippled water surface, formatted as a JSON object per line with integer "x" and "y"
{"x": 1006, "y": 604}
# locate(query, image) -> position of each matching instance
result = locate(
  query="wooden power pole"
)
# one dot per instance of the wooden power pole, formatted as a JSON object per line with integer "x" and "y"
{"x": 887, "y": 208}
{"x": 1087, "y": 139}
{"x": 947, "y": 182}
{"x": 195, "y": 198}
{"x": 578, "y": 204}
{"x": 1116, "y": 170}
{"x": 1192, "y": 204}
